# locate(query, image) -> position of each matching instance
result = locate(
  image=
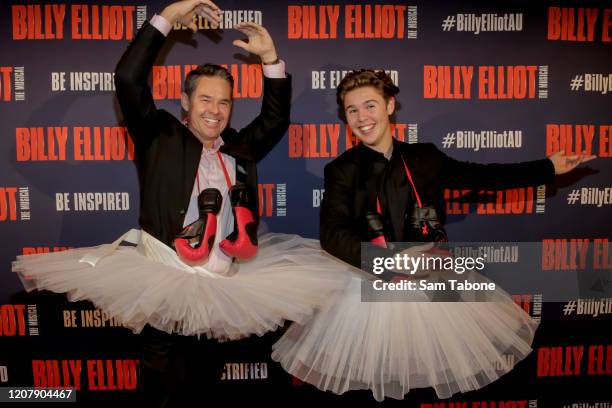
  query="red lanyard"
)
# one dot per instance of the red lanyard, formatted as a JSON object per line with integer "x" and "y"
{"x": 411, "y": 183}
{"x": 222, "y": 163}
{"x": 416, "y": 193}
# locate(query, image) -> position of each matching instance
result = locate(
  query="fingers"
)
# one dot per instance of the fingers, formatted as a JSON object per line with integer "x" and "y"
{"x": 241, "y": 44}
{"x": 250, "y": 26}
{"x": 204, "y": 3}
{"x": 252, "y": 29}
{"x": 581, "y": 158}
{"x": 585, "y": 158}
{"x": 203, "y": 8}
{"x": 247, "y": 31}
{"x": 589, "y": 158}
{"x": 570, "y": 162}
{"x": 193, "y": 27}
{"x": 212, "y": 16}
{"x": 210, "y": 4}
{"x": 575, "y": 156}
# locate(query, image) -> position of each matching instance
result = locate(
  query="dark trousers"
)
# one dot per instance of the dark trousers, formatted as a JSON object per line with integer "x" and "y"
{"x": 176, "y": 369}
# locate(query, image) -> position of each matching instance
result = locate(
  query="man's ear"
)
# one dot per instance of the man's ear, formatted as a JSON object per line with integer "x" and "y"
{"x": 391, "y": 105}
{"x": 185, "y": 104}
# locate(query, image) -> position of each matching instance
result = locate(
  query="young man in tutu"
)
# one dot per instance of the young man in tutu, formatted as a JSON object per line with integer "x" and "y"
{"x": 392, "y": 347}
{"x": 375, "y": 168}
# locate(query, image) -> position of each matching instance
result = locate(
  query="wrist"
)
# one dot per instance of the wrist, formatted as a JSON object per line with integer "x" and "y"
{"x": 553, "y": 165}
{"x": 274, "y": 62}
{"x": 270, "y": 58}
{"x": 170, "y": 14}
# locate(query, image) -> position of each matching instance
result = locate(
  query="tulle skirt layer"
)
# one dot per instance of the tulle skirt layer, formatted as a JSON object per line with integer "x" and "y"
{"x": 148, "y": 284}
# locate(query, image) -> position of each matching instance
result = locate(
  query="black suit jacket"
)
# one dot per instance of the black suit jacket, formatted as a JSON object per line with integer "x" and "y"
{"x": 168, "y": 154}
{"x": 350, "y": 190}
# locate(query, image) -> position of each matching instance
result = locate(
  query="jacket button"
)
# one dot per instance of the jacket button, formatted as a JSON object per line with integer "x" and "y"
{"x": 182, "y": 211}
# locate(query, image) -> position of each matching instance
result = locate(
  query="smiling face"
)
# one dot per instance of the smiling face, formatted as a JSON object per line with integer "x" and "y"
{"x": 367, "y": 113}
{"x": 208, "y": 108}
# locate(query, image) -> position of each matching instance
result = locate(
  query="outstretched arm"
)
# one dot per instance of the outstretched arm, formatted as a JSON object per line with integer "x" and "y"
{"x": 498, "y": 176}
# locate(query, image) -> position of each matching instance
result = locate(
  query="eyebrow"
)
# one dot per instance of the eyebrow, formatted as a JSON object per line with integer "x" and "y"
{"x": 210, "y": 97}
{"x": 366, "y": 102}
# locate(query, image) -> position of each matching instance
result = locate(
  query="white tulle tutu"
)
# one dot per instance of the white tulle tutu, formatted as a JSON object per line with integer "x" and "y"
{"x": 393, "y": 347}
{"x": 148, "y": 284}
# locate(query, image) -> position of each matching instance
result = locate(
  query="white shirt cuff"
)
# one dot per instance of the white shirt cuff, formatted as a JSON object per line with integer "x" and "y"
{"x": 161, "y": 24}
{"x": 274, "y": 71}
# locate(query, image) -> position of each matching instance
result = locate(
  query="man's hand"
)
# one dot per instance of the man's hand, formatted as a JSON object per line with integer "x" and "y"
{"x": 259, "y": 41}
{"x": 563, "y": 164}
{"x": 183, "y": 12}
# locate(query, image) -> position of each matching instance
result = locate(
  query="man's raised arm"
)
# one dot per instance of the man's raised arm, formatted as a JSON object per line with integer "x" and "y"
{"x": 132, "y": 72}
{"x": 268, "y": 128}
